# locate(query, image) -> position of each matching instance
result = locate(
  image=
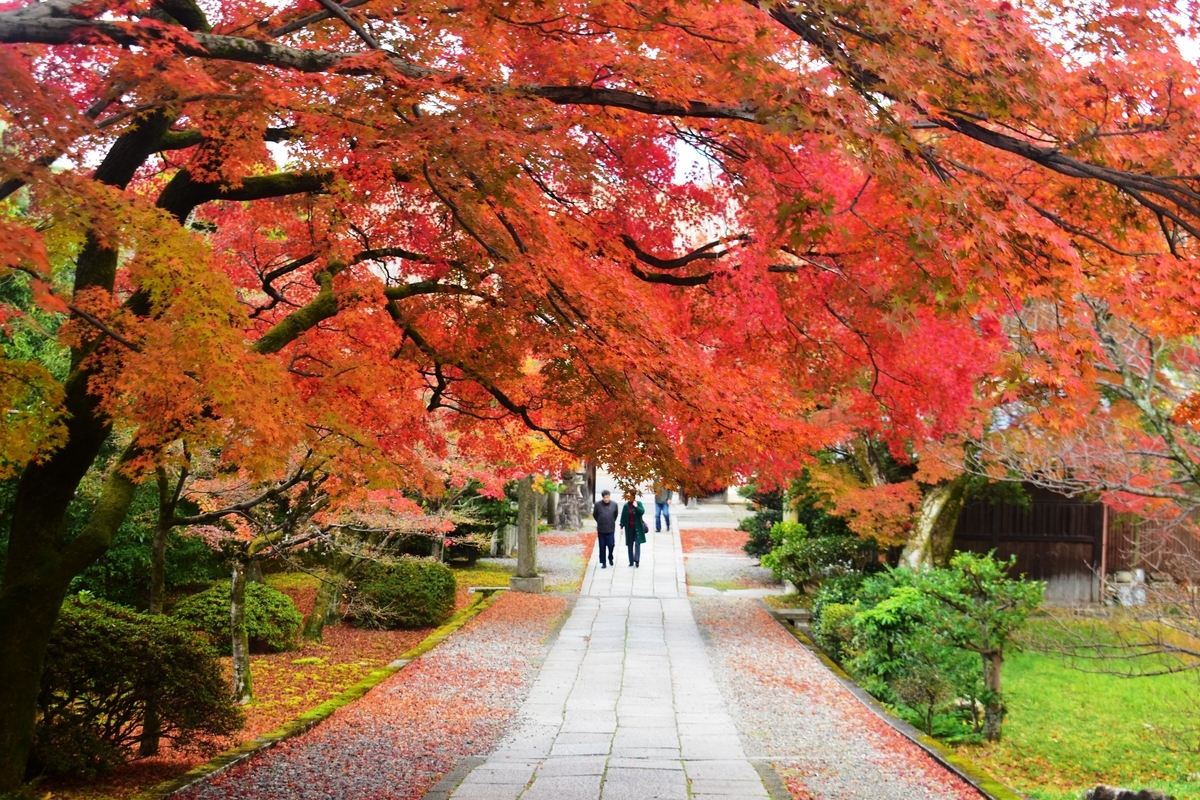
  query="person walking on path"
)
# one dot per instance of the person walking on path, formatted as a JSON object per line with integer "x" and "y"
{"x": 605, "y": 514}
{"x": 634, "y": 525}
{"x": 662, "y": 506}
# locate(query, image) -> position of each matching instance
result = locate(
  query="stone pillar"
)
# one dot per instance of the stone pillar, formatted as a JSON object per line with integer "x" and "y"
{"x": 571, "y": 503}
{"x": 527, "y": 579}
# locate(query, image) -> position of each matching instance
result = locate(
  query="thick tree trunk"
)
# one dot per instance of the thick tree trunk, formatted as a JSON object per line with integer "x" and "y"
{"x": 325, "y": 607}
{"x": 993, "y": 711}
{"x": 868, "y": 462}
{"x": 242, "y": 688}
{"x": 937, "y": 515}
{"x": 26, "y": 621}
{"x": 39, "y": 572}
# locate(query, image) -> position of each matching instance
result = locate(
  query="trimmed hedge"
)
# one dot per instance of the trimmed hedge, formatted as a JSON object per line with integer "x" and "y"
{"x": 272, "y": 620}
{"x": 409, "y": 593}
{"x": 104, "y": 664}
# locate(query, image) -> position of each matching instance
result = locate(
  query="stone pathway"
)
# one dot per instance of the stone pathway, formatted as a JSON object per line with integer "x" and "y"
{"x": 626, "y": 706}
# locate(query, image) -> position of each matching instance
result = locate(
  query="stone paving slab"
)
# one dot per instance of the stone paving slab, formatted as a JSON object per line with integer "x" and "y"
{"x": 626, "y": 706}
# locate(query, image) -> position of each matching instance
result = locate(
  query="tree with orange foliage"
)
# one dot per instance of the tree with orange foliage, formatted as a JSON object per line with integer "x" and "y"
{"x": 705, "y": 237}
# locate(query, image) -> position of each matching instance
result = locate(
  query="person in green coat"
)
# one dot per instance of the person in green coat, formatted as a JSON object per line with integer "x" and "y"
{"x": 634, "y": 525}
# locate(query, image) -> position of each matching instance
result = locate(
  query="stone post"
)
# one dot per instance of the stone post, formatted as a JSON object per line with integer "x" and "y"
{"x": 527, "y": 579}
{"x": 571, "y": 504}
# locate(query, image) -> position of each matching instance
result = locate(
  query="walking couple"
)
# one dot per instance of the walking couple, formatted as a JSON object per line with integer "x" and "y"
{"x": 632, "y": 522}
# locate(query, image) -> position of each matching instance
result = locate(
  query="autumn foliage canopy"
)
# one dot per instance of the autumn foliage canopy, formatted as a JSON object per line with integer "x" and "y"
{"x": 705, "y": 237}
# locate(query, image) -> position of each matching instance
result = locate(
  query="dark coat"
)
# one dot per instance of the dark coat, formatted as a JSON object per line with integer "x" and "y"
{"x": 633, "y": 524}
{"x": 605, "y": 515}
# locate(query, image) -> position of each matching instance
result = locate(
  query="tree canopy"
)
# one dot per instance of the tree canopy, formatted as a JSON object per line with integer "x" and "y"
{"x": 696, "y": 237}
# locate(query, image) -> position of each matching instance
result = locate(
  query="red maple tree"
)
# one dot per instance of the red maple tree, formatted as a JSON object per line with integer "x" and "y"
{"x": 702, "y": 237}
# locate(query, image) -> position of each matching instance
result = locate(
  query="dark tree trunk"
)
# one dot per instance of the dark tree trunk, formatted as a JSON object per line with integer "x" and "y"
{"x": 26, "y": 621}
{"x": 39, "y": 571}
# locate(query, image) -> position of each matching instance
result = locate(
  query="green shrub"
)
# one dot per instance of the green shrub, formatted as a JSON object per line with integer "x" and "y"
{"x": 103, "y": 665}
{"x": 834, "y": 630}
{"x": 758, "y": 525}
{"x": 272, "y": 620}
{"x": 802, "y": 558}
{"x": 409, "y": 593}
{"x": 839, "y": 589}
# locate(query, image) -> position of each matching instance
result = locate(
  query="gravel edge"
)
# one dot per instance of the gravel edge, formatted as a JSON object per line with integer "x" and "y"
{"x": 314, "y": 717}
{"x": 981, "y": 781}
{"x": 443, "y": 789}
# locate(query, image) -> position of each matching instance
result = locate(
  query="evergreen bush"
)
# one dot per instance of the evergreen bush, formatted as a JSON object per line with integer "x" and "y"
{"x": 802, "y": 558}
{"x": 834, "y": 630}
{"x": 409, "y": 593}
{"x": 272, "y": 620}
{"x": 103, "y": 665}
{"x": 758, "y": 525}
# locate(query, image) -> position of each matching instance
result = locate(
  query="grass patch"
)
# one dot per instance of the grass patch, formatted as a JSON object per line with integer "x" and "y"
{"x": 790, "y": 600}
{"x": 721, "y": 586}
{"x": 1068, "y": 730}
{"x": 489, "y": 575}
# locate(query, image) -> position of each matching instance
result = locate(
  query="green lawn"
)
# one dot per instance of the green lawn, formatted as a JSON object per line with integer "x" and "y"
{"x": 1068, "y": 730}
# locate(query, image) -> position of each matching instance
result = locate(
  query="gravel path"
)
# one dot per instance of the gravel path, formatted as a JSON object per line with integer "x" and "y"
{"x": 454, "y": 702}
{"x": 790, "y": 708}
{"x": 727, "y": 571}
{"x": 715, "y": 561}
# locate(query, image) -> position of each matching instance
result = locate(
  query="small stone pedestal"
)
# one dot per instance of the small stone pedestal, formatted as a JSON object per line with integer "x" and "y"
{"x": 534, "y": 585}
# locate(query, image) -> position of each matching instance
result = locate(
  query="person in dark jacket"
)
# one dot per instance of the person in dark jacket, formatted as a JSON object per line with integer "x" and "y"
{"x": 634, "y": 525}
{"x": 605, "y": 514}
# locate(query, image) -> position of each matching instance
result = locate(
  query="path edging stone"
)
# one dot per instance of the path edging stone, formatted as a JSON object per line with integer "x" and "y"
{"x": 314, "y": 717}
{"x": 980, "y": 780}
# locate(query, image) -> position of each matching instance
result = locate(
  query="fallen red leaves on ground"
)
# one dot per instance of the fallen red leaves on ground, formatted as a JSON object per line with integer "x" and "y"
{"x": 720, "y": 540}
{"x": 565, "y": 539}
{"x": 400, "y": 739}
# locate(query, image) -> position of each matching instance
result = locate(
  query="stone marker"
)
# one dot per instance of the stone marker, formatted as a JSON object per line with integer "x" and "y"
{"x": 571, "y": 504}
{"x": 527, "y": 578}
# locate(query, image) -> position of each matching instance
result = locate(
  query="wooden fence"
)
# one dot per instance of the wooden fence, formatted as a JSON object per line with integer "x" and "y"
{"x": 1159, "y": 547}
{"x": 1055, "y": 539}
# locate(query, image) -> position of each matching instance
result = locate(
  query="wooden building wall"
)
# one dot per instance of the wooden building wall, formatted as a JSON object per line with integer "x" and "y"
{"x": 1057, "y": 539}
